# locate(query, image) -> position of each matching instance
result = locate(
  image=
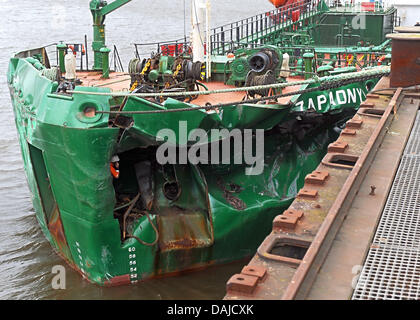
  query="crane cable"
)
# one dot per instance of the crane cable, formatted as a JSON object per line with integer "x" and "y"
{"x": 130, "y": 236}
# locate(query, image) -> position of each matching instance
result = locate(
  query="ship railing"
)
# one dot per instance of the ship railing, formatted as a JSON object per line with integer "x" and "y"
{"x": 174, "y": 48}
{"x": 78, "y": 48}
{"x": 342, "y": 58}
{"x": 360, "y": 59}
{"x": 254, "y": 31}
{"x": 245, "y": 30}
{"x": 116, "y": 60}
{"x": 50, "y": 55}
{"x": 353, "y": 6}
{"x": 260, "y": 28}
{"x": 171, "y": 48}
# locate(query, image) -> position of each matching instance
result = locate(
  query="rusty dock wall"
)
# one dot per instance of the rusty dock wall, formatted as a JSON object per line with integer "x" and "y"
{"x": 316, "y": 246}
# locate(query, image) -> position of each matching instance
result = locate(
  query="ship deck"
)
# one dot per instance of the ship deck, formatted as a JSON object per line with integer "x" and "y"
{"x": 119, "y": 81}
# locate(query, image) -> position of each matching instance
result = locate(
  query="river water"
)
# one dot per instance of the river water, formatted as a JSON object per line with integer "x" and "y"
{"x": 26, "y": 258}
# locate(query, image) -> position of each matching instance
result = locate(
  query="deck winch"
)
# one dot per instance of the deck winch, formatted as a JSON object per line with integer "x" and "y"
{"x": 165, "y": 73}
{"x": 264, "y": 60}
{"x": 255, "y": 67}
{"x": 257, "y": 61}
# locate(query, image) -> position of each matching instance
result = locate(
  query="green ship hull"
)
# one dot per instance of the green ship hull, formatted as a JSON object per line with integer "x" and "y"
{"x": 188, "y": 216}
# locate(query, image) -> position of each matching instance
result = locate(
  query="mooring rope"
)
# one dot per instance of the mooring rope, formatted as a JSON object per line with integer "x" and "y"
{"x": 378, "y": 71}
{"x": 130, "y": 236}
{"x": 324, "y": 86}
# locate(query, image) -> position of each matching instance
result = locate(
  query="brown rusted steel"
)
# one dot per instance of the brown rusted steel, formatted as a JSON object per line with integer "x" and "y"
{"x": 55, "y": 226}
{"x": 372, "y": 190}
{"x": 340, "y": 161}
{"x": 255, "y": 271}
{"x": 365, "y": 104}
{"x": 373, "y": 96}
{"x": 336, "y": 277}
{"x": 266, "y": 250}
{"x": 350, "y": 132}
{"x": 317, "y": 177}
{"x": 354, "y": 124}
{"x": 247, "y": 281}
{"x": 407, "y": 29}
{"x": 305, "y": 274}
{"x": 338, "y": 147}
{"x": 243, "y": 284}
{"x": 405, "y": 64}
{"x": 288, "y": 220}
{"x": 118, "y": 281}
{"x": 371, "y": 112}
{"x": 307, "y": 194}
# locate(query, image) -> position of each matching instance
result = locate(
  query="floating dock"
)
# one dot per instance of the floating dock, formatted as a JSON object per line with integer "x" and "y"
{"x": 353, "y": 230}
{"x": 391, "y": 270}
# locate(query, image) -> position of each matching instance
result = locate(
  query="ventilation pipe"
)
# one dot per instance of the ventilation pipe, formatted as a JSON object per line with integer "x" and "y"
{"x": 198, "y": 19}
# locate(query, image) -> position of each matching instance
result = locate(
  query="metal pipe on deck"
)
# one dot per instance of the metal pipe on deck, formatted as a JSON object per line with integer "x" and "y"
{"x": 198, "y": 18}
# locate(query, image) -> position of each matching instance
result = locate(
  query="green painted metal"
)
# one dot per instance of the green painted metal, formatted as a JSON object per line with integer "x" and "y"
{"x": 335, "y": 32}
{"x": 324, "y": 27}
{"x": 61, "y": 47}
{"x": 324, "y": 70}
{"x": 100, "y": 9}
{"x": 333, "y": 100}
{"x": 105, "y": 62}
{"x": 220, "y": 214}
{"x": 238, "y": 68}
{"x": 308, "y": 60}
{"x": 81, "y": 184}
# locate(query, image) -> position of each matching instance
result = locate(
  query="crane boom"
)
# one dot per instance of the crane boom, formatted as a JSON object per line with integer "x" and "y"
{"x": 113, "y": 6}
